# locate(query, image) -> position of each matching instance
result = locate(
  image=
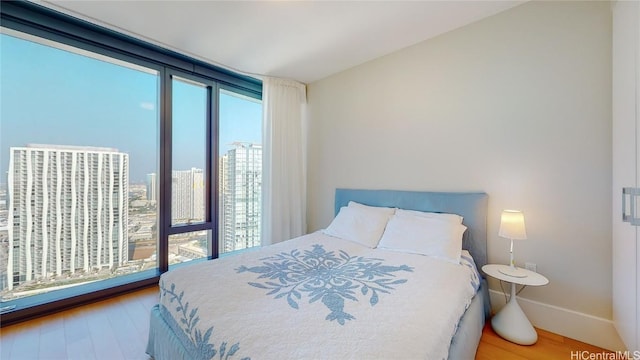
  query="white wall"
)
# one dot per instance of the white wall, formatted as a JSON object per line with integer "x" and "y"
{"x": 517, "y": 105}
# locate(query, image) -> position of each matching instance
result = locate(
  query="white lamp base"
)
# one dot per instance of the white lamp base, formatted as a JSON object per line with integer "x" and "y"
{"x": 512, "y": 324}
{"x": 512, "y": 271}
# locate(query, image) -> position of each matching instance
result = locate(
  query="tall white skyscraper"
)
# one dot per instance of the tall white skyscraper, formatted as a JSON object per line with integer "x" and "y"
{"x": 152, "y": 187}
{"x": 241, "y": 197}
{"x": 188, "y": 196}
{"x": 68, "y": 210}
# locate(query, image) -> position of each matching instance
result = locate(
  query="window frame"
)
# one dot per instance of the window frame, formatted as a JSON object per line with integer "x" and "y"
{"x": 211, "y": 196}
{"x": 40, "y": 21}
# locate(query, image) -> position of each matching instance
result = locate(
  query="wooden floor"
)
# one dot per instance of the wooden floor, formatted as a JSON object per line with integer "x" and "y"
{"x": 117, "y": 328}
{"x": 112, "y": 329}
{"x": 549, "y": 346}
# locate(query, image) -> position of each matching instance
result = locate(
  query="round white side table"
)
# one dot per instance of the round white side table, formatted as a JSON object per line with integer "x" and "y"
{"x": 510, "y": 322}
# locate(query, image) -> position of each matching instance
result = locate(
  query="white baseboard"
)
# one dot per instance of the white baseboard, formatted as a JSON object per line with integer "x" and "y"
{"x": 572, "y": 324}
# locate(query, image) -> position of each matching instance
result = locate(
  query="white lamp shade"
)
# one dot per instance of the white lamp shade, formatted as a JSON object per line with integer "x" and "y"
{"x": 512, "y": 225}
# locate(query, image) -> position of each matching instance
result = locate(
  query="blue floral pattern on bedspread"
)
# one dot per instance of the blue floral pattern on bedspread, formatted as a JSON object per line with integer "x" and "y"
{"x": 195, "y": 341}
{"x": 329, "y": 276}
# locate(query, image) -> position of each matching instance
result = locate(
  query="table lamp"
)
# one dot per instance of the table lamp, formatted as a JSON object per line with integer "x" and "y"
{"x": 512, "y": 227}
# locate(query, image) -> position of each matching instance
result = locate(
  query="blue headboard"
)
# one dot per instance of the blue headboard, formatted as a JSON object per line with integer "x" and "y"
{"x": 470, "y": 205}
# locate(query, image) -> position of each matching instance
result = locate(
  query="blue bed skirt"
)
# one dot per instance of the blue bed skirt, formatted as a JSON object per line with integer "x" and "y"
{"x": 465, "y": 342}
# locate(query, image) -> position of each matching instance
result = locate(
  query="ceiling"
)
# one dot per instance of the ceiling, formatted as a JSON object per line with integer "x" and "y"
{"x": 301, "y": 40}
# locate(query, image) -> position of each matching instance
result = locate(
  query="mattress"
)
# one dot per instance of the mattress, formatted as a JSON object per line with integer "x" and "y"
{"x": 313, "y": 297}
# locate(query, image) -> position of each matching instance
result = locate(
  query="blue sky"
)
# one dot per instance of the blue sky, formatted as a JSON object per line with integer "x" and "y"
{"x": 51, "y": 96}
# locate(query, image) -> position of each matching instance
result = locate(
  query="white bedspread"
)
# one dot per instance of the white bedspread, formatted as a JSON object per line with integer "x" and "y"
{"x": 317, "y": 297}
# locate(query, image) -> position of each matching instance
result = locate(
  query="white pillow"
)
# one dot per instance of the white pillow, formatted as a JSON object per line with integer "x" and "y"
{"x": 423, "y": 235}
{"x": 379, "y": 209}
{"x": 442, "y": 216}
{"x": 359, "y": 225}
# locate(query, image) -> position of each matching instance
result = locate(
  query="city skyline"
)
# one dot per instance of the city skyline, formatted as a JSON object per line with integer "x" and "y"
{"x": 70, "y": 210}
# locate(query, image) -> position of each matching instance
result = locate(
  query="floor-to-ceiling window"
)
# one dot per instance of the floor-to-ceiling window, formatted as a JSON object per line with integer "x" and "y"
{"x": 114, "y": 157}
{"x": 189, "y": 128}
{"x": 79, "y": 136}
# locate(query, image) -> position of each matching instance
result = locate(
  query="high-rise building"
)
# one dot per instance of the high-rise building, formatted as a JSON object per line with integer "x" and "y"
{"x": 240, "y": 197}
{"x": 188, "y": 196}
{"x": 68, "y": 210}
{"x": 152, "y": 187}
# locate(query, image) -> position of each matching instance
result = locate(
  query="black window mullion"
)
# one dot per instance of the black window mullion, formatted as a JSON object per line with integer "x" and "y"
{"x": 186, "y": 228}
{"x": 164, "y": 220}
{"x": 209, "y": 213}
{"x": 212, "y": 162}
{"x": 251, "y": 87}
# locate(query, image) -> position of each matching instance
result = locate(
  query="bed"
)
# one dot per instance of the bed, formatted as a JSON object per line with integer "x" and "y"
{"x": 323, "y": 297}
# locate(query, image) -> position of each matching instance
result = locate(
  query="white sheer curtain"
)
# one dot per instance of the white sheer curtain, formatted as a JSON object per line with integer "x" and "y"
{"x": 283, "y": 172}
